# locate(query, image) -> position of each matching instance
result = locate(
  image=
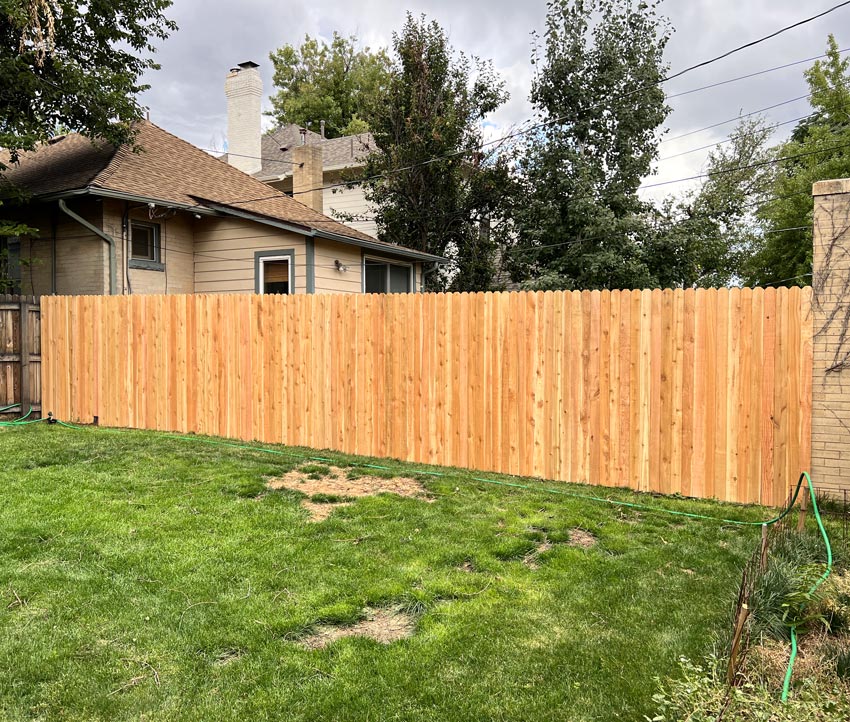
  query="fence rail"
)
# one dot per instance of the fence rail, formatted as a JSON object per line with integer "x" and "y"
{"x": 706, "y": 392}
{"x": 20, "y": 352}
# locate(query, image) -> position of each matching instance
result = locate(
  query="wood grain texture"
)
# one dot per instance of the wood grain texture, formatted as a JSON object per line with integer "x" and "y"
{"x": 701, "y": 392}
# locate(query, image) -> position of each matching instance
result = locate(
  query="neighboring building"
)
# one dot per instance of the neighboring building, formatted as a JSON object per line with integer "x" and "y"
{"x": 166, "y": 217}
{"x": 270, "y": 157}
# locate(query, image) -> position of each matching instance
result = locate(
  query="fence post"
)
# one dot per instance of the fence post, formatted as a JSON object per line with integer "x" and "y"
{"x": 23, "y": 346}
{"x": 830, "y": 466}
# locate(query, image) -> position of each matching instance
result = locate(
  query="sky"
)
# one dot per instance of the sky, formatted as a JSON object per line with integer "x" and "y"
{"x": 187, "y": 94}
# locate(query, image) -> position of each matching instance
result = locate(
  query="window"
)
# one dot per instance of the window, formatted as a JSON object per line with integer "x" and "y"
{"x": 275, "y": 276}
{"x": 387, "y": 276}
{"x": 10, "y": 265}
{"x": 144, "y": 242}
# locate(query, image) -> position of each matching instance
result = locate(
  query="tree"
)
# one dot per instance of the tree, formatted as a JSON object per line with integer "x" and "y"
{"x": 433, "y": 187}
{"x": 65, "y": 64}
{"x": 75, "y": 66}
{"x": 599, "y": 107}
{"x": 709, "y": 235}
{"x": 819, "y": 149}
{"x": 317, "y": 81}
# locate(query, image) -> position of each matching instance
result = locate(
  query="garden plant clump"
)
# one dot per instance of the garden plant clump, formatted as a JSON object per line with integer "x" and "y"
{"x": 781, "y": 598}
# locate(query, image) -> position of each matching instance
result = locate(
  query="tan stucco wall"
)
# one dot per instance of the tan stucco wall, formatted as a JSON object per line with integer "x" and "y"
{"x": 224, "y": 254}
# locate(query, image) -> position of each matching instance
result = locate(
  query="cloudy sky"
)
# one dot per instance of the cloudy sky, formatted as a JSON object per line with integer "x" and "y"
{"x": 187, "y": 94}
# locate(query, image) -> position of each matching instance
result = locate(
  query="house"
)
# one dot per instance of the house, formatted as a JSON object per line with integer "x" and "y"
{"x": 270, "y": 157}
{"x": 162, "y": 216}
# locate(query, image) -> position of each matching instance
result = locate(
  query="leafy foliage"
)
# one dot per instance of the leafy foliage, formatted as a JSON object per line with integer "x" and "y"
{"x": 819, "y": 149}
{"x": 709, "y": 234}
{"x": 334, "y": 83}
{"x": 432, "y": 111}
{"x": 599, "y": 106}
{"x": 701, "y": 694}
{"x": 75, "y": 66}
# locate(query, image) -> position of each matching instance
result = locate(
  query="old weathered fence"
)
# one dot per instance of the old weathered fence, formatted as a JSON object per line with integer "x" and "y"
{"x": 705, "y": 392}
{"x": 20, "y": 353}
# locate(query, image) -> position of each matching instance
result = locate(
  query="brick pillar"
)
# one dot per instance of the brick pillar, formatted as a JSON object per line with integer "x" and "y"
{"x": 831, "y": 341}
{"x": 308, "y": 176}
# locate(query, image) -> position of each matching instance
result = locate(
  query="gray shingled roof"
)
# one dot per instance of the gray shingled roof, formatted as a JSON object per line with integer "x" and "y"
{"x": 162, "y": 167}
{"x": 349, "y": 151}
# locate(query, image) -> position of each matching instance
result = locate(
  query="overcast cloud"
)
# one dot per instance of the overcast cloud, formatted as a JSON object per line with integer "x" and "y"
{"x": 187, "y": 94}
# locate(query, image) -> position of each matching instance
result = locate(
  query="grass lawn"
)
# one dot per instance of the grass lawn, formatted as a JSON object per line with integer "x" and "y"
{"x": 148, "y": 577}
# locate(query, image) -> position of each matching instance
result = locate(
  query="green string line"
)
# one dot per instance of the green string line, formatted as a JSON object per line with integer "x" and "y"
{"x": 560, "y": 492}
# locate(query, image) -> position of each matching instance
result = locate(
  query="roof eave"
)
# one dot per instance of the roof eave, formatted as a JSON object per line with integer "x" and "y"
{"x": 328, "y": 235}
{"x": 120, "y": 195}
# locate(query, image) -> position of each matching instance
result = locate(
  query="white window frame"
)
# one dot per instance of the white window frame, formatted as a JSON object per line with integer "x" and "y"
{"x": 389, "y": 262}
{"x": 290, "y": 265}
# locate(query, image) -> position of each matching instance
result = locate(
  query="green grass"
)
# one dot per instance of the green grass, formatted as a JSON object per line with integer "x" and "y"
{"x": 148, "y": 577}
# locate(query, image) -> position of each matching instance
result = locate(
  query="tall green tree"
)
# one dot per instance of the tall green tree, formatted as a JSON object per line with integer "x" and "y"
{"x": 332, "y": 82}
{"x": 819, "y": 149}
{"x": 432, "y": 185}
{"x": 599, "y": 108}
{"x": 706, "y": 237}
{"x": 77, "y": 66}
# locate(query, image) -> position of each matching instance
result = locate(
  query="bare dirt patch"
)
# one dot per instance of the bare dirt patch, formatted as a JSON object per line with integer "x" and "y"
{"x": 581, "y": 538}
{"x": 578, "y": 538}
{"x": 335, "y": 484}
{"x": 320, "y": 512}
{"x": 382, "y": 625}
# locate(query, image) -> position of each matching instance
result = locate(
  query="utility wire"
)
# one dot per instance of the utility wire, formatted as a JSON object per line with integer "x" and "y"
{"x": 753, "y": 75}
{"x": 737, "y": 117}
{"x": 729, "y": 140}
{"x": 760, "y": 40}
{"x": 747, "y": 167}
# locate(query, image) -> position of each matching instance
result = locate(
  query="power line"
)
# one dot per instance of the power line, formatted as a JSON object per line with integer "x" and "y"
{"x": 760, "y": 40}
{"x": 747, "y": 167}
{"x": 729, "y": 140}
{"x": 737, "y": 117}
{"x": 553, "y": 121}
{"x": 753, "y": 75}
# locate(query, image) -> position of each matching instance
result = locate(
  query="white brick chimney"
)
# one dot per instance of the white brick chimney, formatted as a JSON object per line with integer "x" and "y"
{"x": 244, "y": 90}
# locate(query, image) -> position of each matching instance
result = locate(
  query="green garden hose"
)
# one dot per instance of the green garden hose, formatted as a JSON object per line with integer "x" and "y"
{"x": 786, "y": 686}
{"x": 21, "y": 420}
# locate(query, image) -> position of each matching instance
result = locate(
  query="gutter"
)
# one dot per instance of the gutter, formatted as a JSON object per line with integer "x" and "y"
{"x": 106, "y": 237}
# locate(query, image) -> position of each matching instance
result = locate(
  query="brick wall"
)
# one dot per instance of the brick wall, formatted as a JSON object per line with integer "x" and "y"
{"x": 831, "y": 328}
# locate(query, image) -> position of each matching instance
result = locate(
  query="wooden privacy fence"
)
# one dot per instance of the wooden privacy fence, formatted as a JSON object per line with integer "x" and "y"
{"x": 704, "y": 392}
{"x": 20, "y": 352}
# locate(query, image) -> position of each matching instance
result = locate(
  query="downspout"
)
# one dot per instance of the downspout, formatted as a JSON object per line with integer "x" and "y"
{"x": 106, "y": 237}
